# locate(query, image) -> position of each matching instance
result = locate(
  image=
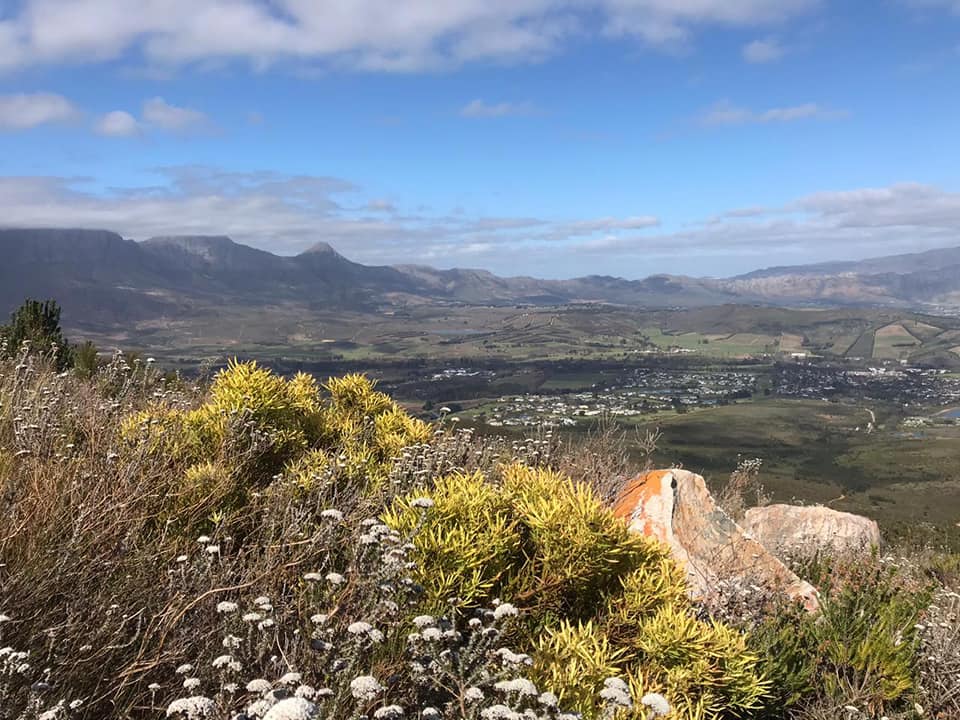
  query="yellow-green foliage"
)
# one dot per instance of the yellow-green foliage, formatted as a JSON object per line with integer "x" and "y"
{"x": 471, "y": 536}
{"x": 577, "y": 551}
{"x": 367, "y": 425}
{"x": 534, "y": 536}
{"x": 309, "y": 469}
{"x": 257, "y": 424}
{"x": 204, "y": 485}
{"x": 650, "y": 587}
{"x": 705, "y": 665}
{"x": 575, "y": 658}
{"x": 173, "y": 434}
{"x": 598, "y": 600}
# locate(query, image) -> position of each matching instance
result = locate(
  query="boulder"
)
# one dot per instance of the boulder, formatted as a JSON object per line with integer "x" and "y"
{"x": 675, "y": 507}
{"x": 803, "y": 530}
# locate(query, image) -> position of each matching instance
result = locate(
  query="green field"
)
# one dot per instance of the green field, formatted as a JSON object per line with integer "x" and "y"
{"x": 894, "y": 342}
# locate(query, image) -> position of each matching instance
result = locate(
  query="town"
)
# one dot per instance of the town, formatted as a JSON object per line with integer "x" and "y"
{"x": 646, "y": 393}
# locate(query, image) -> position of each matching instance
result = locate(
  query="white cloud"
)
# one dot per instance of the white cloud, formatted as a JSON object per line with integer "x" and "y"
{"x": 117, "y": 123}
{"x": 865, "y": 222}
{"x": 28, "y": 110}
{"x": 283, "y": 214}
{"x": 480, "y": 109}
{"x": 158, "y": 115}
{"x": 763, "y": 51}
{"x": 402, "y": 37}
{"x": 606, "y": 225}
{"x": 670, "y": 21}
{"x": 161, "y": 114}
{"x": 287, "y": 214}
{"x": 728, "y": 113}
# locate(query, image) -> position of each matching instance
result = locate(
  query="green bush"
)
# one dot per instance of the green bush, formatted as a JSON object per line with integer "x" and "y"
{"x": 255, "y": 425}
{"x": 86, "y": 359}
{"x": 861, "y": 650}
{"x": 598, "y": 601}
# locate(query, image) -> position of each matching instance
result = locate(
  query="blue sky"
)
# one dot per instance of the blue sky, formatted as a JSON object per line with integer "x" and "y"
{"x": 544, "y": 137}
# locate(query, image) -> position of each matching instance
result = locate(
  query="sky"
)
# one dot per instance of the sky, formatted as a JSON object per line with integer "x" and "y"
{"x": 553, "y": 138}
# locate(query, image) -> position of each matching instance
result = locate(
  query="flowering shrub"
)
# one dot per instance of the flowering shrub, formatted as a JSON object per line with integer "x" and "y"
{"x": 599, "y": 600}
{"x": 254, "y": 424}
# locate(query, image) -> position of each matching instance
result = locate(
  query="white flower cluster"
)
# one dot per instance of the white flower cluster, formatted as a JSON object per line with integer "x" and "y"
{"x": 13, "y": 662}
{"x": 657, "y": 704}
{"x": 616, "y": 692}
{"x": 365, "y": 688}
{"x": 367, "y": 630}
{"x": 293, "y": 708}
{"x": 518, "y": 686}
{"x": 195, "y": 707}
{"x": 495, "y": 688}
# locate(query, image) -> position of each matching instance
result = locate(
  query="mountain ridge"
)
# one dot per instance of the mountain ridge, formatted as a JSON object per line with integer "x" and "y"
{"x": 107, "y": 278}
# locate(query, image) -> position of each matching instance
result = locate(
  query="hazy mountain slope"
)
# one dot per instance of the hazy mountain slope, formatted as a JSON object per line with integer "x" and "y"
{"x": 914, "y": 279}
{"x": 931, "y": 260}
{"x": 104, "y": 279}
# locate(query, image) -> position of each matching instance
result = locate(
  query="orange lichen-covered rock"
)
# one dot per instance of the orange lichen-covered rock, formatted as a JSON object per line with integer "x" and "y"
{"x": 675, "y": 507}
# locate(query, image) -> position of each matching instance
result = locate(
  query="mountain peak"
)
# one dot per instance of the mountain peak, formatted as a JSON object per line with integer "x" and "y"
{"x": 321, "y": 248}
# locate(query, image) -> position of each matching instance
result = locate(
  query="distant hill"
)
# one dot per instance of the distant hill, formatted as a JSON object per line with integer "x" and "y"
{"x": 105, "y": 279}
{"x": 926, "y": 280}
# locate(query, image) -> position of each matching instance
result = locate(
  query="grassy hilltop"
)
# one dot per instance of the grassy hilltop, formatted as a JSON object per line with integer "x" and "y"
{"x": 200, "y": 549}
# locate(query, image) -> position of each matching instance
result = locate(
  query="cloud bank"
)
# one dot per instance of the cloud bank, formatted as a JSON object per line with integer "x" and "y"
{"x": 287, "y": 214}
{"x": 374, "y": 35}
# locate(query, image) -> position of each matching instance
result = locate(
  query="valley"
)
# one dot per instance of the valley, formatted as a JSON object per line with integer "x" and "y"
{"x": 847, "y": 394}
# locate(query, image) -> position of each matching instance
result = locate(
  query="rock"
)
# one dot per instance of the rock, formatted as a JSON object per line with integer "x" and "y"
{"x": 675, "y": 507}
{"x": 793, "y": 529}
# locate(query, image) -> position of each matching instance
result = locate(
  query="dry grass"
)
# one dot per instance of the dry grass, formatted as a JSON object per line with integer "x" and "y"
{"x": 743, "y": 490}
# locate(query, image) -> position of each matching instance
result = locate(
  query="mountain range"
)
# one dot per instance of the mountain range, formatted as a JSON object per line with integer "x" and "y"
{"x": 104, "y": 279}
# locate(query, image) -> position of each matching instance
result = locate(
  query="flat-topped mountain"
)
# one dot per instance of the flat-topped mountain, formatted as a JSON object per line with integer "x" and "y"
{"x": 105, "y": 279}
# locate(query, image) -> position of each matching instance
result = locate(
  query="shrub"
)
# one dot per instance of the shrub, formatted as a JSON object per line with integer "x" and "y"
{"x": 142, "y": 521}
{"x": 861, "y": 650}
{"x": 940, "y": 656}
{"x": 86, "y": 358}
{"x": 598, "y": 600}
{"x": 575, "y": 659}
{"x": 258, "y": 425}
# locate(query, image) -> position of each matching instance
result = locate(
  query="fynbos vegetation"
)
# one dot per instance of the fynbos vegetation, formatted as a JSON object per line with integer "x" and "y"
{"x": 258, "y": 547}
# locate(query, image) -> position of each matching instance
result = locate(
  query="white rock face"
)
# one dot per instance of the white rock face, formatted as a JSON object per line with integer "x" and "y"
{"x": 793, "y": 529}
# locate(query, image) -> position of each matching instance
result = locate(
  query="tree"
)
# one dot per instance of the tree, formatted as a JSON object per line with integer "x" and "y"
{"x": 38, "y": 323}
